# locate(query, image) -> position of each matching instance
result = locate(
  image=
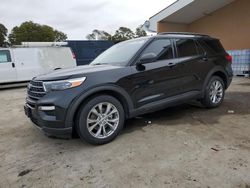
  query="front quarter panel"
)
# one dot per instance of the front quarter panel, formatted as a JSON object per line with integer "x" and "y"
{"x": 115, "y": 80}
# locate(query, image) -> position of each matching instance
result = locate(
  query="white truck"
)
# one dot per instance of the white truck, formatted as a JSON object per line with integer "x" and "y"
{"x": 20, "y": 64}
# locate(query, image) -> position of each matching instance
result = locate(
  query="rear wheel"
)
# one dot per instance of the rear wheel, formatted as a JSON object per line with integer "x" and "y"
{"x": 214, "y": 93}
{"x": 100, "y": 120}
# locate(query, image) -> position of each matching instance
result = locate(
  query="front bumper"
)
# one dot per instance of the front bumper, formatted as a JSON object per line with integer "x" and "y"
{"x": 48, "y": 124}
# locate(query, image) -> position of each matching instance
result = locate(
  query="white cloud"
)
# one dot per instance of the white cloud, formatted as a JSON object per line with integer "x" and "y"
{"x": 77, "y": 18}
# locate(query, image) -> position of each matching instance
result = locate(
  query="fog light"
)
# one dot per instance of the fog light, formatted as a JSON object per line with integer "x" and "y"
{"x": 46, "y": 108}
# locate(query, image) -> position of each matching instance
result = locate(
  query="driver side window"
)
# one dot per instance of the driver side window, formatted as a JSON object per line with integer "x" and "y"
{"x": 5, "y": 56}
{"x": 161, "y": 48}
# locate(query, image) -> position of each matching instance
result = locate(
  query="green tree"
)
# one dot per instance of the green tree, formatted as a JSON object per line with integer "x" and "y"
{"x": 60, "y": 36}
{"x": 34, "y": 32}
{"x": 123, "y": 33}
{"x": 3, "y": 35}
{"x": 99, "y": 35}
{"x": 140, "y": 32}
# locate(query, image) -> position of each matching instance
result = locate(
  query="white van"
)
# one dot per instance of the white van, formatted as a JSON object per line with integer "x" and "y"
{"x": 22, "y": 63}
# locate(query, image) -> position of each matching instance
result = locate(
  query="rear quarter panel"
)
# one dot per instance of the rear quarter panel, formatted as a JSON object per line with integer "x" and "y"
{"x": 56, "y": 58}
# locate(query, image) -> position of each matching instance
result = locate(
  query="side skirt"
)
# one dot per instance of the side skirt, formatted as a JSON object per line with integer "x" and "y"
{"x": 164, "y": 103}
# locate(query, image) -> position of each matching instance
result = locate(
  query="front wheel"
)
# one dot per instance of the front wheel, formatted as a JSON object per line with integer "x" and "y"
{"x": 214, "y": 93}
{"x": 100, "y": 119}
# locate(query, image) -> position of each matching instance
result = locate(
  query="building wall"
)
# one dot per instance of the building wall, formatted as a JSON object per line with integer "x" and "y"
{"x": 231, "y": 24}
{"x": 171, "y": 27}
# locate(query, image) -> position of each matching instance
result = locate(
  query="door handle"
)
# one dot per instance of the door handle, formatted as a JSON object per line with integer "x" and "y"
{"x": 13, "y": 65}
{"x": 205, "y": 59}
{"x": 171, "y": 64}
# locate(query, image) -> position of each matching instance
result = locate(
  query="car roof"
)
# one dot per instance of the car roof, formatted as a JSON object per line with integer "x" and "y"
{"x": 181, "y": 35}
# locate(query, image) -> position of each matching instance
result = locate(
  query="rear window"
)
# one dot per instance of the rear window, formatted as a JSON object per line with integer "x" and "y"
{"x": 186, "y": 48}
{"x": 212, "y": 46}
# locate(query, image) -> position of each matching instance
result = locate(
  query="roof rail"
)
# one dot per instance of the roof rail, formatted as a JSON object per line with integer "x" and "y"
{"x": 182, "y": 33}
{"x": 42, "y": 44}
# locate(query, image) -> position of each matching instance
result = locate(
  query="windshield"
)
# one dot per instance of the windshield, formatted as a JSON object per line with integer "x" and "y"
{"x": 121, "y": 53}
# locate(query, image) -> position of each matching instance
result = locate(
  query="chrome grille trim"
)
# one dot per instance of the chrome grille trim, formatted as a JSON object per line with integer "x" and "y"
{"x": 36, "y": 83}
{"x": 30, "y": 101}
{"x": 41, "y": 87}
{"x": 30, "y": 106}
{"x": 35, "y": 91}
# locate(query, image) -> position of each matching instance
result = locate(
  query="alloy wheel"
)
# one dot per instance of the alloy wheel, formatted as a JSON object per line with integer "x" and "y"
{"x": 103, "y": 120}
{"x": 216, "y": 92}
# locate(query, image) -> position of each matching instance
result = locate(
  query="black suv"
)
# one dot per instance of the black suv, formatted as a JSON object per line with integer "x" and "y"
{"x": 131, "y": 78}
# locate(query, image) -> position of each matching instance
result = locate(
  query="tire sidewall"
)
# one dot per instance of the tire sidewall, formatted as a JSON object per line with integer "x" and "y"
{"x": 208, "y": 101}
{"x": 82, "y": 119}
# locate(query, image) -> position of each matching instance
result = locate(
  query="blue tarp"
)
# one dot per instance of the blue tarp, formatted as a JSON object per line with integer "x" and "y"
{"x": 87, "y": 50}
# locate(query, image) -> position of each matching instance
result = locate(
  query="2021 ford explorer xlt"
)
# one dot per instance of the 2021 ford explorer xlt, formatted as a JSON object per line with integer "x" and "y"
{"x": 131, "y": 78}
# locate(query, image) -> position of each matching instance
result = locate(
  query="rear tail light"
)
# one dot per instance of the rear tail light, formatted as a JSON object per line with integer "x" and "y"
{"x": 229, "y": 58}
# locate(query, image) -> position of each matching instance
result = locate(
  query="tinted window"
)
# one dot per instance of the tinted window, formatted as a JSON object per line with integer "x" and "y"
{"x": 200, "y": 49}
{"x": 186, "y": 47}
{"x": 213, "y": 46}
{"x": 5, "y": 56}
{"x": 162, "y": 48}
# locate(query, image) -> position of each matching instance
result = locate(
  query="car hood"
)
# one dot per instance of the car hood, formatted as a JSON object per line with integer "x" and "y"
{"x": 75, "y": 72}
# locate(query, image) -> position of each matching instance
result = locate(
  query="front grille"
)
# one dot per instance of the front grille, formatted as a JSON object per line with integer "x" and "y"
{"x": 35, "y": 92}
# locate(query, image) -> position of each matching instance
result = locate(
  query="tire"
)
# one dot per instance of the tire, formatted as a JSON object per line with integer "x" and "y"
{"x": 100, "y": 120}
{"x": 212, "y": 98}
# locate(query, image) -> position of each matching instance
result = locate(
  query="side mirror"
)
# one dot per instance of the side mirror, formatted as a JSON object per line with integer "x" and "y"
{"x": 147, "y": 58}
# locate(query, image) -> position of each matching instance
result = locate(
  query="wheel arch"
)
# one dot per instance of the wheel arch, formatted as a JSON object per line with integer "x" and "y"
{"x": 222, "y": 75}
{"x": 217, "y": 71}
{"x": 117, "y": 92}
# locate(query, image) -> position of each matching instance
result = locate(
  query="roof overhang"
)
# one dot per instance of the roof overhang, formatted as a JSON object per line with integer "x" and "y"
{"x": 186, "y": 11}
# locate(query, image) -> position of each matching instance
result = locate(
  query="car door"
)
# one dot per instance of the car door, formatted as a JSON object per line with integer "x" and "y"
{"x": 7, "y": 67}
{"x": 209, "y": 50}
{"x": 159, "y": 78}
{"x": 191, "y": 64}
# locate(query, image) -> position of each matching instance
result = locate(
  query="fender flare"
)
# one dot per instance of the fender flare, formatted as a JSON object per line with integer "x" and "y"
{"x": 209, "y": 75}
{"x": 75, "y": 104}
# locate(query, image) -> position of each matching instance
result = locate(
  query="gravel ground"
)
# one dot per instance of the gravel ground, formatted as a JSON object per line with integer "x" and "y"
{"x": 184, "y": 146}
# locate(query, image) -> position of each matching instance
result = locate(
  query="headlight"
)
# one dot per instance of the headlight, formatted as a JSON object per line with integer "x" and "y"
{"x": 63, "y": 84}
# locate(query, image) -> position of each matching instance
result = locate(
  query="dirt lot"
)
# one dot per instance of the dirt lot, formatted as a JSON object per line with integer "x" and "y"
{"x": 184, "y": 146}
